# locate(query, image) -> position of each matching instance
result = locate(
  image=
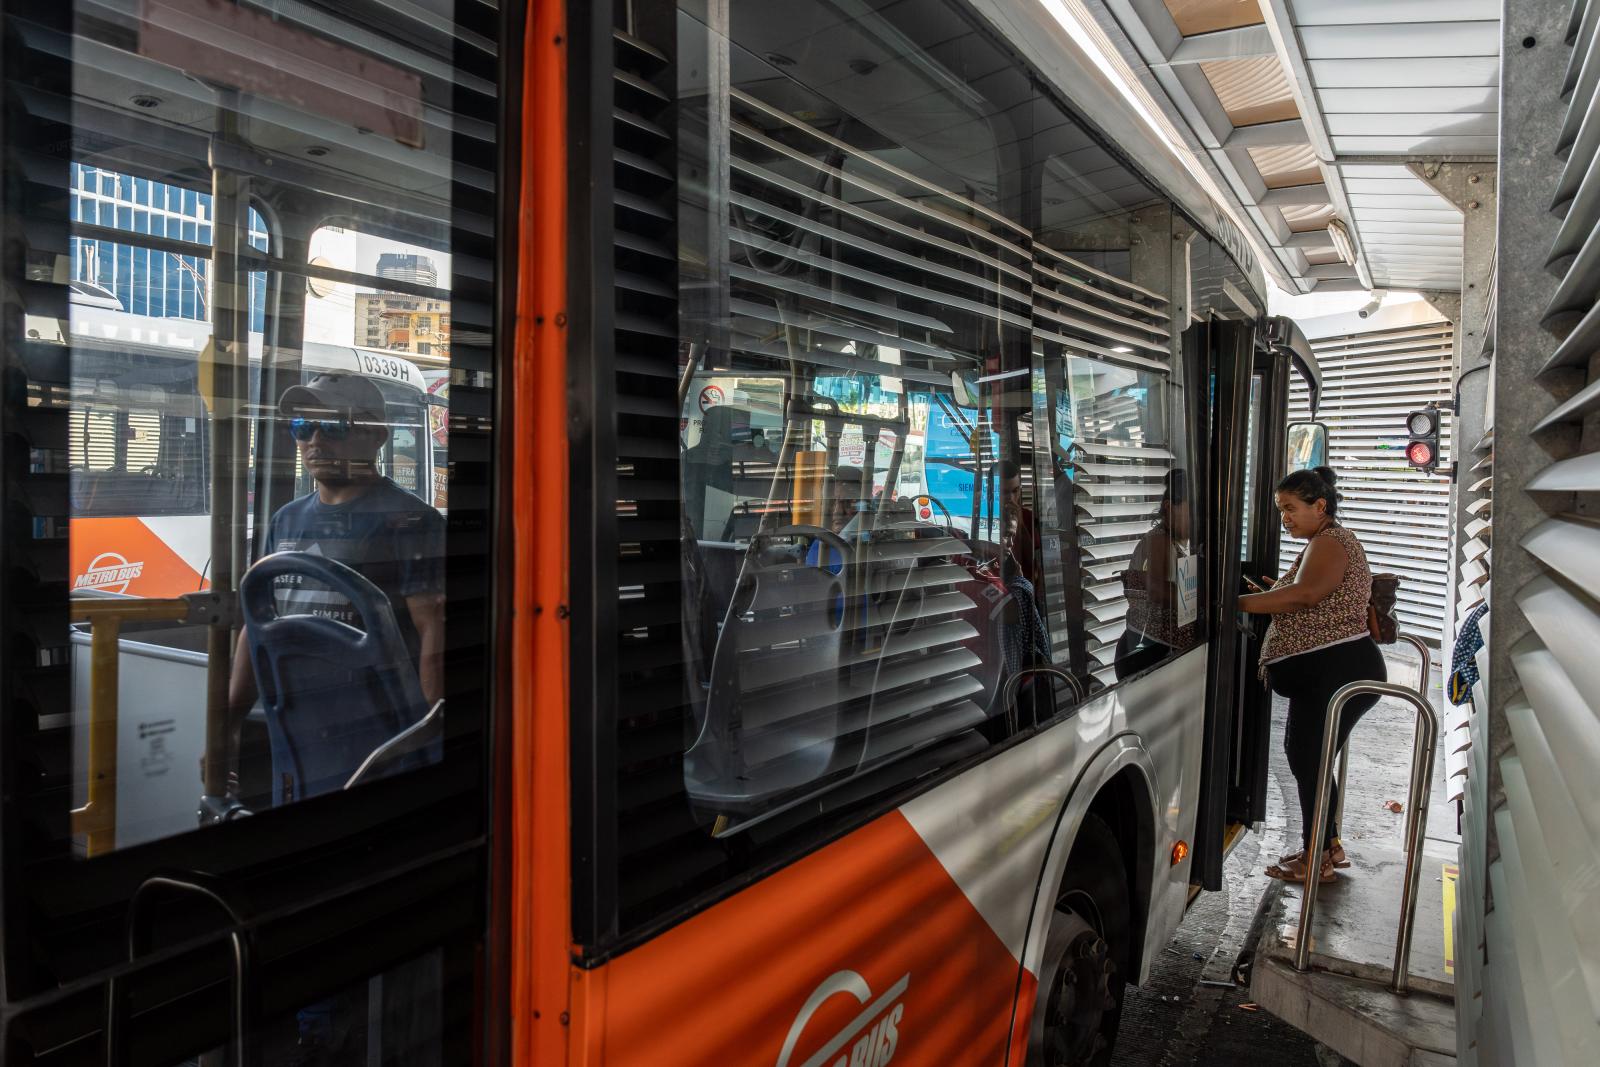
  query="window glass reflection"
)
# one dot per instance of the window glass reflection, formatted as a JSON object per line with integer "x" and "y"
{"x": 256, "y": 440}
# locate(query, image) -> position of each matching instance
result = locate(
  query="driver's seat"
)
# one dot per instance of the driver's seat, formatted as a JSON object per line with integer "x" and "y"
{"x": 333, "y": 694}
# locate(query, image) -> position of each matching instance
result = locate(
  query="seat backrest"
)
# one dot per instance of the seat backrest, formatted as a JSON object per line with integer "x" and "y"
{"x": 332, "y": 692}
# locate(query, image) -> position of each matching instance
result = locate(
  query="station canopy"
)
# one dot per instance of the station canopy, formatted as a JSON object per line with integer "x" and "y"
{"x": 1321, "y": 119}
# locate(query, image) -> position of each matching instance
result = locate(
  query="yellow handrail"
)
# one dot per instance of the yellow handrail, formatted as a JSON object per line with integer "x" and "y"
{"x": 97, "y": 819}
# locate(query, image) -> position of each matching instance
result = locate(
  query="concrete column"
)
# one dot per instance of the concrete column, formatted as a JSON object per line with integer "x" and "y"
{"x": 1534, "y": 60}
{"x": 1473, "y": 189}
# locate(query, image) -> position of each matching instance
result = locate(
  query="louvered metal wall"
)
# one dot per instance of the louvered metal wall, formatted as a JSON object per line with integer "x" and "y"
{"x": 1370, "y": 381}
{"x": 1119, "y": 473}
{"x": 1529, "y": 980}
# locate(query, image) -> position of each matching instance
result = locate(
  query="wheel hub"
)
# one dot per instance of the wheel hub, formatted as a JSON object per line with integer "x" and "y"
{"x": 1079, "y": 1002}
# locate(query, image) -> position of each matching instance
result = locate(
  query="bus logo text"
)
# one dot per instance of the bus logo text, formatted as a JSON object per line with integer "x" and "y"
{"x": 109, "y": 572}
{"x": 868, "y": 1040}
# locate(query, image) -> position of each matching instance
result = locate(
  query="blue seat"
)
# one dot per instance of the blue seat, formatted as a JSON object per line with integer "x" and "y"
{"x": 332, "y": 693}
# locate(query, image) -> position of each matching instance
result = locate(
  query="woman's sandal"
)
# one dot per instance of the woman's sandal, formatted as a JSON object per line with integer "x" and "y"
{"x": 1336, "y": 850}
{"x": 1294, "y": 870}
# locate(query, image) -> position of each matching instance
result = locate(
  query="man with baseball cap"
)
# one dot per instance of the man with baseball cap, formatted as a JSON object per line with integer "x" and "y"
{"x": 362, "y": 519}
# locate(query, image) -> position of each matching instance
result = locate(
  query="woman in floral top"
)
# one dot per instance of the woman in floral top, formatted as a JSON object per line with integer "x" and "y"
{"x": 1318, "y": 643}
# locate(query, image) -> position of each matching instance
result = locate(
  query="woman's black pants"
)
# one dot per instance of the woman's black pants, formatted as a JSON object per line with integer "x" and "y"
{"x": 1309, "y": 680}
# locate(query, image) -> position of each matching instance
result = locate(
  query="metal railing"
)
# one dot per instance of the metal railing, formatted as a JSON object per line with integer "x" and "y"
{"x": 1008, "y": 692}
{"x": 1416, "y": 810}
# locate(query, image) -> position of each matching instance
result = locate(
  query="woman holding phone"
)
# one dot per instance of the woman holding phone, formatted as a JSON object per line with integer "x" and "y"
{"x": 1318, "y": 642}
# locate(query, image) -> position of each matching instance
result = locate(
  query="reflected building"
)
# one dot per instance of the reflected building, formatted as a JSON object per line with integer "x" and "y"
{"x": 145, "y": 281}
{"x": 402, "y": 322}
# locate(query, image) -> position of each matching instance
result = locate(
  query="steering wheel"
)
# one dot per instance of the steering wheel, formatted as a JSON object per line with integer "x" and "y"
{"x": 817, "y": 533}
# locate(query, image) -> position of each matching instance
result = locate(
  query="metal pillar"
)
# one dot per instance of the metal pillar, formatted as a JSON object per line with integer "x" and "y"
{"x": 1474, "y": 190}
{"x": 1533, "y": 62}
{"x": 227, "y": 397}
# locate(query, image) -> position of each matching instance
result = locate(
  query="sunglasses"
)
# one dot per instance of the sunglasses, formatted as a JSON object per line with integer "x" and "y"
{"x": 303, "y": 429}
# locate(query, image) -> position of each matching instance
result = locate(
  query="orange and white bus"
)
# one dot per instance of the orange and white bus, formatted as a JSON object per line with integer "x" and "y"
{"x": 854, "y": 439}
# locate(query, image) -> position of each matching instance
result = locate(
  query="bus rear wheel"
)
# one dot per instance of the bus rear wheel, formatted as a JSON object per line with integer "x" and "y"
{"x": 1085, "y": 966}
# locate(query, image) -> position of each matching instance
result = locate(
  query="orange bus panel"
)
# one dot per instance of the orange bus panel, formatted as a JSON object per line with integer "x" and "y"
{"x": 123, "y": 555}
{"x": 863, "y": 954}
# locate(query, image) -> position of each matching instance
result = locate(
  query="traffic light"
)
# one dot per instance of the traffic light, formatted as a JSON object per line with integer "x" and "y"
{"x": 1422, "y": 451}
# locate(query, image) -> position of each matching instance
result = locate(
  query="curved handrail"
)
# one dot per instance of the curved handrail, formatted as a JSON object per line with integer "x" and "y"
{"x": 1008, "y": 692}
{"x": 1417, "y": 802}
{"x": 240, "y": 938}
{"x": 1423, "y": 679}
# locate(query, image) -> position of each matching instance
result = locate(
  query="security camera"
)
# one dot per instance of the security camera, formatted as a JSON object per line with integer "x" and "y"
{"x": 1373, "y": 304}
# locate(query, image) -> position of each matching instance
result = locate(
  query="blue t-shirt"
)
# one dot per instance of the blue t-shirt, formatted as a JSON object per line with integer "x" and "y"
{"x": 387, "y": 535}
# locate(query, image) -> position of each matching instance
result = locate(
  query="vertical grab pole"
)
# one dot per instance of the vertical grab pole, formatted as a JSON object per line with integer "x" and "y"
{"x": 224, "y": 387}
{"x": 1344, "y": 753}
{"x": 1319, "y": 820}
{"x": 1344, "y": 783}
{"x": 1417, "y": 828}
{"x": 97, "y": 819}
{"x": 1423, "y": 679}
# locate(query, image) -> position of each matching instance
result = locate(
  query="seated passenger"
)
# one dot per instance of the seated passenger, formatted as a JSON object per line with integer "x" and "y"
{"x": 361, "y": 519}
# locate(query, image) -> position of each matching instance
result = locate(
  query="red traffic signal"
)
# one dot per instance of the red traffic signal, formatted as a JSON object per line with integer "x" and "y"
{"x": 1422, "y": 450}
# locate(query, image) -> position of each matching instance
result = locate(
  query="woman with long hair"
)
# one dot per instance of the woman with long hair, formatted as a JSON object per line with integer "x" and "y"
{"x": 1318, "y": 642}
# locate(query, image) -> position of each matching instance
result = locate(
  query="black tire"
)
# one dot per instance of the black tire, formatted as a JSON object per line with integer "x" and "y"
{"x": 1086, "y": 951}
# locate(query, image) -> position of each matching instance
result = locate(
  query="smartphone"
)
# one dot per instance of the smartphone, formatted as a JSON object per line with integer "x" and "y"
{"x": 1253, "y": 584}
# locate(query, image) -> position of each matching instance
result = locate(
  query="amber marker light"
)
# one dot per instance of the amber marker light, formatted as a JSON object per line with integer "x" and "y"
{"x": 1180, "y": 852}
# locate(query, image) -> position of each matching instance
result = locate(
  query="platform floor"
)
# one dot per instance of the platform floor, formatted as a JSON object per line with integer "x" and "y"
{"x": 1356, "y": 921}
{"x": 1343, "y": 1001}
{"x": 1192, "y": 1012}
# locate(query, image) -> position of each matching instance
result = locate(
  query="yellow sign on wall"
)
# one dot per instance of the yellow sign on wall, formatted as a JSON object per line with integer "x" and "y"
{"x": 1448, "y": 882}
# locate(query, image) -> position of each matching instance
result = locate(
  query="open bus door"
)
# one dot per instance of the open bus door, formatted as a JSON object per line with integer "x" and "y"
{"x": 1249, "y": 366}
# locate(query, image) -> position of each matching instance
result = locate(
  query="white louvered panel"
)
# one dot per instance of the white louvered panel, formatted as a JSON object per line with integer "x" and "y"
{"x": 1514, "y": 1025}
{"x": 1570, "y": 999}
{"x": 1513, "y": 897}
{"x": 1560, "y": 673}
{"x": 847, "y": 259}
{"x": 1112, "y": 333}
{"x": 841, "y": 259}
{"x": 1556, "y": 731}
{"x": 1369, "y": 382}
{"x": 1580, "y": 474}
{"x": 1562, "y": 829}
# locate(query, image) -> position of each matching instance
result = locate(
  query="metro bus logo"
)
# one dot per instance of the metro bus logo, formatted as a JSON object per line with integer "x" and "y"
{"x": 109, "y": 572}
{"x": 871, "y": 1037}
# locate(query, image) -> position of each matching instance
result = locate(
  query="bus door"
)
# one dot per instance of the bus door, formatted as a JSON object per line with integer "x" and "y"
{"x": 1221, "y": 352}
{"x": 1249, "y": 368}
{"x": 1260, "y": 532}
{"x": 293, "y": 192}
